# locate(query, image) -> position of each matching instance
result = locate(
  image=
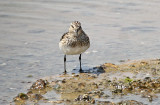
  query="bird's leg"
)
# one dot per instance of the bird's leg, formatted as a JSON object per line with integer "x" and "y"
{"x": 80, "y": 62}
{"x": 65, "y": 64}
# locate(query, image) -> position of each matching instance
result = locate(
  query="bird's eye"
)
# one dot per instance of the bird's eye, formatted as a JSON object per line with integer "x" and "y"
{"x": 72, "y": 26}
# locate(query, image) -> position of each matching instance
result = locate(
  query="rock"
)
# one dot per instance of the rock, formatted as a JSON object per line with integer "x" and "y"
{"x": 86, "y": 98}
{"x": 29, "y": 76}
{"x": 36, "y": 97}
{"x": 21, "y": 97}
{"x": 39, "y": 84}
{"x": 109, "y": 67}
{"x": 147, "y": 79}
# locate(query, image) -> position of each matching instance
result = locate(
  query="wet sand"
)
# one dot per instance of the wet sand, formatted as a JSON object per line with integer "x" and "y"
{"x": 30, "y": 32}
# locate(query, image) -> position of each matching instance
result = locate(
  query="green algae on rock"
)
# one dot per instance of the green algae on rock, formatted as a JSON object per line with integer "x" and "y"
{"x": 20, "y": 98}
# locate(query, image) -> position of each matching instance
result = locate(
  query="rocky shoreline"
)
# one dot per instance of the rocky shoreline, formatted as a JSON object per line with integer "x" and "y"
{"x": 130, "y": 83}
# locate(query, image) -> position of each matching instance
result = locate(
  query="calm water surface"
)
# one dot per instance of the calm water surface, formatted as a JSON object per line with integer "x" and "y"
{"x": 31, "y": 29}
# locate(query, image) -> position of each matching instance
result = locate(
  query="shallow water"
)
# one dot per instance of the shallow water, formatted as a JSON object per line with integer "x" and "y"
{"x": 30, "y": 31}
{"x": 138, "y": 98}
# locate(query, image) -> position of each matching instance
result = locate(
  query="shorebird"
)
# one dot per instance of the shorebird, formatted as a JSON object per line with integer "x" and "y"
{"x": 74, "y": 42}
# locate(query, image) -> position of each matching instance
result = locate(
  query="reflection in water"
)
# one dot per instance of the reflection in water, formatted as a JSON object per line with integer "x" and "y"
{"x": 30, "y": 32}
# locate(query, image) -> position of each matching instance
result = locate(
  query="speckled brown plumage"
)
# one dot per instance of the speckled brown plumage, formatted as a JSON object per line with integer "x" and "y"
{"x": 75, "y": 41}
{"x": 72, "y": 40}
{"x": 76, "y": 37}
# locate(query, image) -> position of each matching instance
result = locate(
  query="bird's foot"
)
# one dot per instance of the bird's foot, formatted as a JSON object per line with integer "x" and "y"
{"x": 65, "y": 72}
{"x": 80, "y": 70}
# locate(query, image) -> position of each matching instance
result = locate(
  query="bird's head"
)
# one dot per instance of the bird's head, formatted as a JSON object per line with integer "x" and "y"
{"x": 75, "y": 27}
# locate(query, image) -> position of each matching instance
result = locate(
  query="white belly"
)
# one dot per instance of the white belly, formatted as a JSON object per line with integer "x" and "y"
{"x": 73, "y": 50}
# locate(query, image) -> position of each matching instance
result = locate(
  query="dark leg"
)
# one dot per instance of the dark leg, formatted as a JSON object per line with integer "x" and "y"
{"x": 80, "y": 62}
{"x": 65, "y": 64}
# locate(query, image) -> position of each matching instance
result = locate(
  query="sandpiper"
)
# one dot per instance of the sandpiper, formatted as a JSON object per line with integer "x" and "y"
{"x": 74, "y": 42}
